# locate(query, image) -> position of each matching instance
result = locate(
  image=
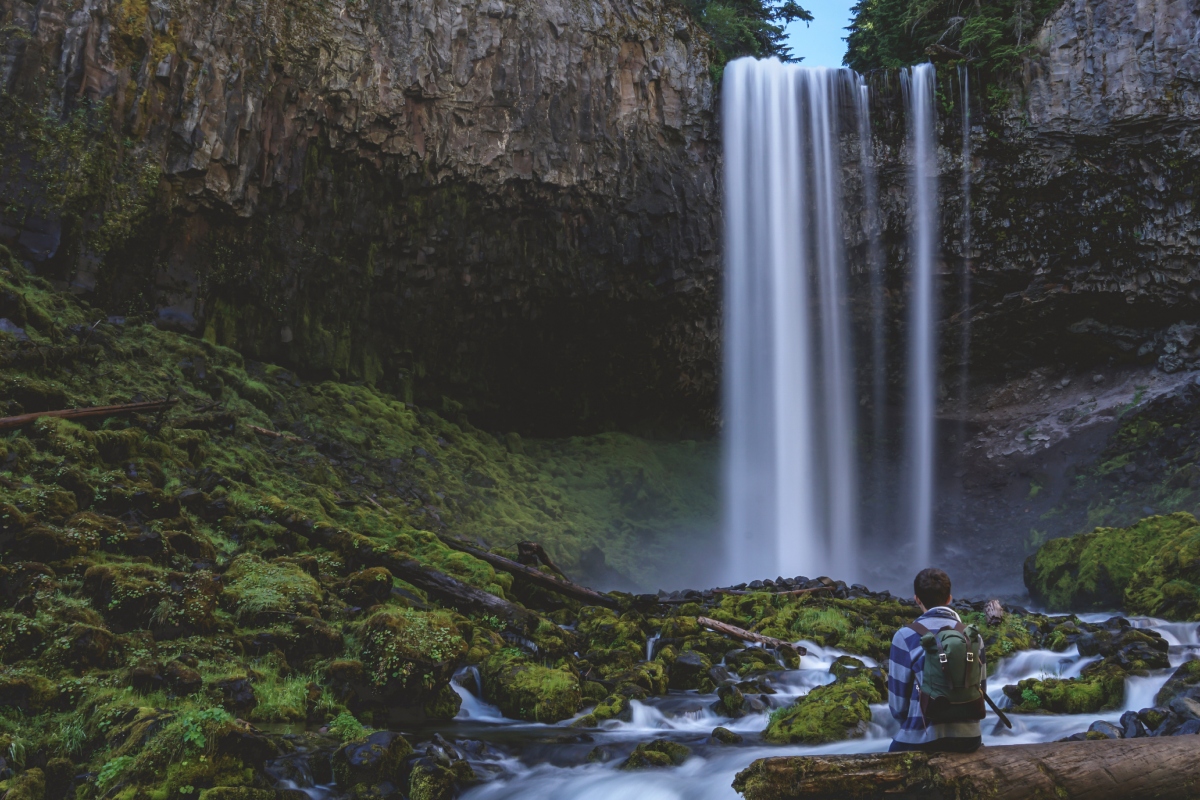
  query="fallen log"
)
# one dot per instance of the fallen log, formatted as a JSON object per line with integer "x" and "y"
{"x": 1111, "y": 769}
{"x": 749, "y": 636}
{"x": 95, "y": 412}
{"x": 453, "y": 592}
{"x": 534, "y": 576}
{"x": 788, "y": 593}
{"x": 531, "y": 554}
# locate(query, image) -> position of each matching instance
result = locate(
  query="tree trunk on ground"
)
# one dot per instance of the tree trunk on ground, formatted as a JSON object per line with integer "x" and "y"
{"x": 95, "y": 412}
{"x": 1116, "y": 769}
{"x": 453, "y": 592}
{"x": 535, "y": 576}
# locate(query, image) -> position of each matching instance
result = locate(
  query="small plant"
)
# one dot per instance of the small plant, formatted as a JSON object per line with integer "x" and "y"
{"x": 1030, "y": 698}
{"x": 112, "y": 771}
{"x": 346, "y": 727}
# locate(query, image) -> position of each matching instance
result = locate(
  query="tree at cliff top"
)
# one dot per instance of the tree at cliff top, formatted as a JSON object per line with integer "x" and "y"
{"x": 746, "y": 28}
{"x": 990, "y": 34}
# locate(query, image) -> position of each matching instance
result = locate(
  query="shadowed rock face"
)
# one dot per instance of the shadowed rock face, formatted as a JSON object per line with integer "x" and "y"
{"x": 513, "y": 204}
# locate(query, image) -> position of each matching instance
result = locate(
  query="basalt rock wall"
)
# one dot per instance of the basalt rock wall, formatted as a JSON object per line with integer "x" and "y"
{"x": 513, "y": 204}
{"x": 1085, "y": 241}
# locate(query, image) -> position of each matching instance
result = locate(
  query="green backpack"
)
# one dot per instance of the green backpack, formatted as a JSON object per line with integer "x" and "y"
{"x": 951, "y": 685}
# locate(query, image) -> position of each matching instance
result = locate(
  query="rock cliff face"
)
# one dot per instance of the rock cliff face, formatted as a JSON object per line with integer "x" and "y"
{"x": 1086, "y": 240}
{"x": 511, "y": 203}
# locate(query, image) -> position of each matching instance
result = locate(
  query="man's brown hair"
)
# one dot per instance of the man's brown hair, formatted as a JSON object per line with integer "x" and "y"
{"x": 932, "y": 587}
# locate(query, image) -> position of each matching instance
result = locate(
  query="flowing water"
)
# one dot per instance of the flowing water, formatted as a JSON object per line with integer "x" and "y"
{"x": 793, "y": 467}
{"x": 918, "y": 85}
{"x": 551, "y": 762}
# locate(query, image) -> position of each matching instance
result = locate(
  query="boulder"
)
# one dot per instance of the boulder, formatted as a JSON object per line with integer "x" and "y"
{"x": 840, "y": 710}
{"x": 722, "y": 735}
{"x": 530, "y": 691}
{"x": 377, "y": 758}
{"x": 659, "y": 753}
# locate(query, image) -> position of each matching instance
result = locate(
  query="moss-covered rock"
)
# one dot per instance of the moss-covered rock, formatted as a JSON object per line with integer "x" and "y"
{"x": 1101, "y": 687}
{"x": 410, "y": 655}
{"x": 529, "y": 691}
{"x": 1168, "y": 583}
{"x": 431, "y": 779}
{"x": 262, "y": 593}
{"x": 1181, "y": 692}
{"x": 659, "y": 753}
{"x": 29, "y": 785}
{"x": 1094, "y": 570}
{"x": 830, "y": 713}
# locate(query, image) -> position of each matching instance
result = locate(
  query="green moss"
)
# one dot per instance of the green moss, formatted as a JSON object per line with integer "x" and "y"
{"x": 524, "y": 690}
{"x": 408, "y": 647}
{"x": 659, "y": 753}
{"x": 1101, "y": 689}
{"x": 830, "y": 713}
{"x": 261, "y": 592}
{"x": 1168, "y": 583}
{"x": 1092, "y": 571}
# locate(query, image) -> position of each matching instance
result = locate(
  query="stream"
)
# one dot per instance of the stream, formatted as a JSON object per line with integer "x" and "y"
{"x": 515, "y": 759}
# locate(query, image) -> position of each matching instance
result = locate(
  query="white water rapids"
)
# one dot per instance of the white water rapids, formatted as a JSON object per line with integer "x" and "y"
{"x": 550, "y": 762}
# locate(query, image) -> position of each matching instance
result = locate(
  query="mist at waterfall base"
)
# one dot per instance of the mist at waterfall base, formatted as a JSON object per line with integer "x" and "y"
{"x": 819, "y": 477}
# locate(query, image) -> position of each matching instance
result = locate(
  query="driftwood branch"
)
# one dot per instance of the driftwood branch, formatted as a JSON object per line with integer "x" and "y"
{"x": 535, "y": 576}
{"x": 95, "y": 412}
{"x": 749, "y": 636}
{"x": 270, "y": 434}
{"x": 994, "y": 612}
{"x": 1112, "y": 769}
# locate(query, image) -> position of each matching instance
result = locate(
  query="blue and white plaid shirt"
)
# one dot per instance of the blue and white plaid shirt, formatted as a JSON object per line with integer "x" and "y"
{"x": 907, "y": 662}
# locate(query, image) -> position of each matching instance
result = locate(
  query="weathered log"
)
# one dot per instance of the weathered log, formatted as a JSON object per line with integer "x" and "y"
{"x": 994, "y": 612}
{"x": 1111, "y": 769}
{"x": 788, "y": 593}
{"x": 535, "y": 576}
{"x": 749, "y": 636}
{"x": 95, "y": 412}
{"x": 453, "y": 592}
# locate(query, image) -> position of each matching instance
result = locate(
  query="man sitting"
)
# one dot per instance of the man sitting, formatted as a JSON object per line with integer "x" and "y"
{"x": 932, "y": 588}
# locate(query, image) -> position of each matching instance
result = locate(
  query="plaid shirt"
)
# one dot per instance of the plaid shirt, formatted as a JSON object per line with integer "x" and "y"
{"x": 907, "y": 662}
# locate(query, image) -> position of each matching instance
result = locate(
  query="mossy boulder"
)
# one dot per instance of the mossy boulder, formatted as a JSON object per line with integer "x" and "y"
{"x": 30, "y": 693}
{"x": 1093, "y": 571}
{"x": 659, "y": 753}
{"x": 1101, "y": 687}
{"x": 127, "y": 594}
{"x": 378, "y": 757}
{"x": 614, "y": 706}
{"x": 529, "y": 691}
{"x": 1168, "y": 584}
{"x": 261, "y": 593}
{"x": 431, "y": 779}
{"x": 830, "y": 713}
{"x": 29, "y": 785}
{"x": 410, "y": 650}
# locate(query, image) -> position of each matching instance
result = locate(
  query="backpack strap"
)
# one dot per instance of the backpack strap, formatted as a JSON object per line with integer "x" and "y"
{"x": 920, "y": 629}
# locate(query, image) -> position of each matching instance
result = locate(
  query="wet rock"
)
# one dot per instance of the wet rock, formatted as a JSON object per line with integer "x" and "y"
{"x": 182, "y": 679}
{"x": 730, "y": 702}
{"x": 721, "y": 735}
{"x": 1106, "y": 729}
{"x": 1131, "y": 726}
{"x": 530, "y": 691}
{"x": 237, "y": 695}
{"x": 1189, "y": 728}
{"x": 840, "y": 710}
{"x": 687, "y": 670}
{"x": 1181, "y": 692}
{"x": 376, "y": 758}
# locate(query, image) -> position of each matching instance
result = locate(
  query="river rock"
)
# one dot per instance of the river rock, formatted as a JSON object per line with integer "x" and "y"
{"x": 375, "y": 759}
{"x": 1107, "y": 730}
{"x": 1181, "y": 692}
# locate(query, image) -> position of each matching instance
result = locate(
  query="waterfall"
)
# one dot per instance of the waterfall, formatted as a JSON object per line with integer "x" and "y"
{"x": 918, "y": 86}
{"x": 964, "y": 80}
{"x": 791, "y": 474}
{"x": 793, "y": 462}
{"x": 875, "y": 264}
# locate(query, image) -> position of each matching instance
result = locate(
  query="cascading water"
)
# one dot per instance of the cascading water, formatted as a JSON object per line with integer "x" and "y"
{"x": 791, "y": 477}
{"x": 792, "y": 461}
{"x": 964, "y": 80}
{"x": 918, "y": 86}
